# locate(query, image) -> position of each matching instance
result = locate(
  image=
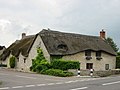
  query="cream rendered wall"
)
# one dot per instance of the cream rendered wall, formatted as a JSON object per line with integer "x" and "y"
{"x": 20, "y": 65}
{"x": 32, "y": 54}
{"x": 97, "y": 64}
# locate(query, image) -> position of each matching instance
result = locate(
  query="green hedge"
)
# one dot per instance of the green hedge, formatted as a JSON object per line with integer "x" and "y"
{"x": 65, "y": 65}
{"x": 57, "y": 72}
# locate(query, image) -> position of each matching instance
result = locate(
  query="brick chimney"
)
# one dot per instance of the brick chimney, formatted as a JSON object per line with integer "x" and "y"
{"x": 102, "y": 34}
{"x": 23, "y": 35}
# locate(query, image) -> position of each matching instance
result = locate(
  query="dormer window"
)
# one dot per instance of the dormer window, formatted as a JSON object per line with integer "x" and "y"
{"x": 88, "y": 54}
{"x": 62, "y": 47}
{"x": 98, "y": 55}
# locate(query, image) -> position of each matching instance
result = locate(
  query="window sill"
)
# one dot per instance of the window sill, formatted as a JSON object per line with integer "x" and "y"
{"x": 88, "y": 57}
{"x": 98, "y": 58}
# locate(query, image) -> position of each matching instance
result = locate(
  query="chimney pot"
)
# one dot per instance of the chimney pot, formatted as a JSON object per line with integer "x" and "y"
{"x": 23, "y": 35}
{"x": 102, "y": 34}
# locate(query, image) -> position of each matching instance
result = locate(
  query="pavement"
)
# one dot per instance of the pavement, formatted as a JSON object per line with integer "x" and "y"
{"x": 12, "y": 80}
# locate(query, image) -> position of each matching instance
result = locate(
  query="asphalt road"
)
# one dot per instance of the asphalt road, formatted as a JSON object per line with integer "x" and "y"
{"x": 25, "y": 81}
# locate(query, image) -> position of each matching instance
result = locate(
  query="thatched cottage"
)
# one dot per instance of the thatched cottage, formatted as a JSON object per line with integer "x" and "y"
{"x": 91, "y": 51}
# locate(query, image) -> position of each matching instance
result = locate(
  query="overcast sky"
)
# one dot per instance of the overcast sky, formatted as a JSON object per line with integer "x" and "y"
{"x": 78, "y": 16}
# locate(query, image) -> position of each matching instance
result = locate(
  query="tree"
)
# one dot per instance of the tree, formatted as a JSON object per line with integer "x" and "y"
{"x": 112, "y": 44}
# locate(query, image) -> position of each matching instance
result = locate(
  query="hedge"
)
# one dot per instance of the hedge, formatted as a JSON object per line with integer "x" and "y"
{"x": 65, "y": 65}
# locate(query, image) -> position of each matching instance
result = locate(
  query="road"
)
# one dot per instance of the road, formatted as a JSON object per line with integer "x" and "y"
{"x": 26, "y": 81}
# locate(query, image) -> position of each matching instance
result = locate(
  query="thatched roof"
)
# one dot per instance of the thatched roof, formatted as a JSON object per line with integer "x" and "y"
{"x": 59, "y": 43}
{"x": 19, "y": 46}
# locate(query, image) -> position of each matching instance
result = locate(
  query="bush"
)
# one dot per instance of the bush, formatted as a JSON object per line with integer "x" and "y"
{"x": 3, "y": 65}
{"x": 65, "y": 65}
{"x": 118, "y": 62}
{"x": 58, "y": 72}
{"x": 39, "y": 63}
{"x": 12, "y": 62}
{"x": 38, "y": 67}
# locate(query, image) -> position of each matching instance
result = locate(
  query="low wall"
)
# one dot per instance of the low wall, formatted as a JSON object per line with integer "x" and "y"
{"x": 97, "y": 73}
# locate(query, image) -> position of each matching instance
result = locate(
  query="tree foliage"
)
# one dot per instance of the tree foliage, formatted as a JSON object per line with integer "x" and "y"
{"x": 112, "y": 44}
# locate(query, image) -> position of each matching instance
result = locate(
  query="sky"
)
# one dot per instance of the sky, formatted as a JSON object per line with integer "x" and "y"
{"x": 76, "y": 16}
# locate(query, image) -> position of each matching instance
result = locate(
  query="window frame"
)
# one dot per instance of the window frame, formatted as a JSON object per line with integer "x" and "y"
{"x": 98, "y": 54}
{"x": 107, "y": 66}
{"x": 89, "y": 65}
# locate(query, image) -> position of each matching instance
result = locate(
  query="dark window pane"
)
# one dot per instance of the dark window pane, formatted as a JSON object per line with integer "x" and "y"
{"x": 88, "y": 53}
{"x": 106, "y": 66}
{"x": 98, "y": 54}
{"x": 89, "y": 66}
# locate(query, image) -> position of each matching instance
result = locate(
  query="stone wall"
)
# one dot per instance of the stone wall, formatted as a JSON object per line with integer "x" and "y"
{"x": 97, "y": 64}
{"x": 97, "y": 73}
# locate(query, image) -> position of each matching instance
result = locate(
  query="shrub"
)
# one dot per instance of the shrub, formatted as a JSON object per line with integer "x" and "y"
{"x": 39, "y": 63}
{"x": 118, "y": 62}
{"x": 39, "y": 66}
{"x": 3, "y": 65}
{"x": 12, "y": 62}
{"x": 58, "y": 72}
{"x": 65, "y": 65}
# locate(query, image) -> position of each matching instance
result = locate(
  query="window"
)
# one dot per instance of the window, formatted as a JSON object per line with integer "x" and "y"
{"x": 24, "y": 60}
{"x": 106, "y": 66}
{"x": 62, "y": 47}
{"x": 89, "y": 65}
{"x": 88, "y": 53}
{"x": 98, "y": 55}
